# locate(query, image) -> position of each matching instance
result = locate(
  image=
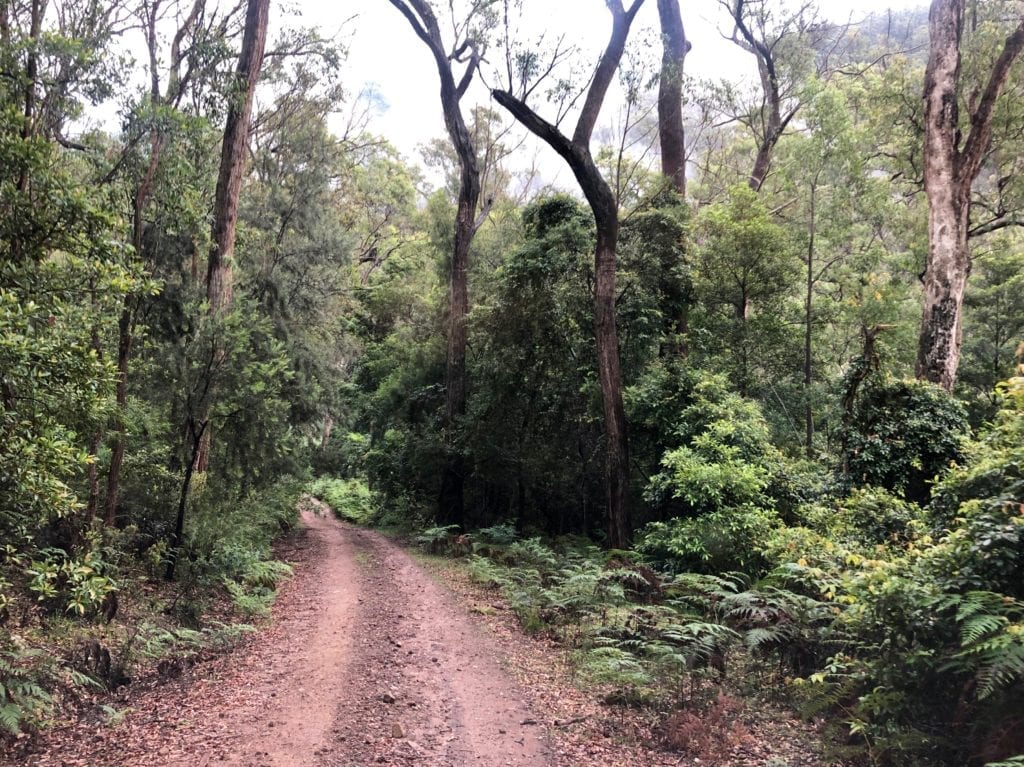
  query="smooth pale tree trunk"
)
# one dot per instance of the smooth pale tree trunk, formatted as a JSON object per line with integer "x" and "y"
{"x": 421, "y": 18}
{"x": 234, "y": 152}
{"x": 950, "y": 168}
{"x": 576, "y": 153}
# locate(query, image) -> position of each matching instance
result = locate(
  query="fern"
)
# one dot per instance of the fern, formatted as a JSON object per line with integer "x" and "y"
{"x": 613, "y": 665}
{"x": 23, "y": 672}
{"x": 991, "y": 639}
{"x": 486, "y": 572}
{"x": 436, "y": 539}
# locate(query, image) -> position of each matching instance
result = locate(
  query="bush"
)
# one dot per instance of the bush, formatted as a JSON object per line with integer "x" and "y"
{"x": 724, "y": 540}
{"x": 351, "y": 499}
{"x": 229, "y": 541}
{"x": 928, "y": 643}
{"x": 901, "y": 435}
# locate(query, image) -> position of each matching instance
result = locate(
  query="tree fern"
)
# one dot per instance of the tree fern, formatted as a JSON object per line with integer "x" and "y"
{"x": 991, "y": 639}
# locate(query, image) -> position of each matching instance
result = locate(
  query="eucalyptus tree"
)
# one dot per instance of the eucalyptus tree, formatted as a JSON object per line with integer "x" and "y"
{"x": 789, "y": 45}
{"x": 956, "y": 148}
{"x": 672, "y": 137}
{"x": 466, "y": 50}
{"x": 522, "y": 81}
{"x": 233, "y": 158}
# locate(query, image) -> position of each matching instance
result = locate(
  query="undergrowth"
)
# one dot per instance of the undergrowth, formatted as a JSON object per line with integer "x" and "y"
{"x": 350, "y": 499}
{"x": 105, "y": 616}
{"x": 900, "y": 625}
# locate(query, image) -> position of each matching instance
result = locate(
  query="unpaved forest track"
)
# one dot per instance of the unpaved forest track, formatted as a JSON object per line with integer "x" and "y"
{"x": 368, "y": 661}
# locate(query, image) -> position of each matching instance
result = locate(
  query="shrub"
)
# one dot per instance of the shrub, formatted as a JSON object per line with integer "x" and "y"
{"x": 721, "y": 541}
{"x": 901, "y": 435}
{"x": 351, "y": 499}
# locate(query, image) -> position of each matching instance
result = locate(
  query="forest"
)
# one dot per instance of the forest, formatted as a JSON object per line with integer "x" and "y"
{"x": 740, "y": 398}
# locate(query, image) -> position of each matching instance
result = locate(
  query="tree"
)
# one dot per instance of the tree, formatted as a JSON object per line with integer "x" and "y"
{"x": 994, "y": 322}
{"x": 576, "y": 153}
{"x": 745, "y": 275}
{"x": 953, "y": 157}
{"x": 670, "y": 94}
{"x": 467, "y": 50}
{"x": 152, "y": 116}
{"x": 62, "y": 274}
{"x": 784, "y": 48}
{"x": 234, "y": 152}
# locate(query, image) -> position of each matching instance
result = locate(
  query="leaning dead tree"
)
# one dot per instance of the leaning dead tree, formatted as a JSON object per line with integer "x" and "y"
{"x": 465, "y": 52}
{"x": 575, "y": 150}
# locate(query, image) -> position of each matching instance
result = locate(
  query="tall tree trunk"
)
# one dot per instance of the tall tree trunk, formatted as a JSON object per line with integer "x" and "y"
{"x": 949, "y": 172}
{"x": 124, "y": 352}
{"x": 453, "y": 474}
{"x": 670, "y": 94}
{"x": 618, "y": 522}
{"x": 423, "y": 21}
{"x": 576, "y": 153}
{"x": 31, "y": 75}
{"x": 234, "y": 150}
{"x": 174, "y": 547}
{"x": 808, "y": 329}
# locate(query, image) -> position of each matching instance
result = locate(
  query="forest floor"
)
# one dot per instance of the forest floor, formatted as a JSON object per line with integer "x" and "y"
{"x": 371, "y": 659}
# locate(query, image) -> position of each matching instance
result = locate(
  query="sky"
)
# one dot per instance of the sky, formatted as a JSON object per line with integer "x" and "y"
{"x": 386, "y": 56}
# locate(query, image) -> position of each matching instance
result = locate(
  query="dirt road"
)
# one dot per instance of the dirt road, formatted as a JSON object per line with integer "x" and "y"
{"x": 368, "y": 661}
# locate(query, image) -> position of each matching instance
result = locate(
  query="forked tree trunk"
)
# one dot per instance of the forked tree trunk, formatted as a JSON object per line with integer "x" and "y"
{"x": 949, "y": 172}
{"x": 576, "y": 153}
{"x": 423, "y": 21}
{"x": 234, "y": 151}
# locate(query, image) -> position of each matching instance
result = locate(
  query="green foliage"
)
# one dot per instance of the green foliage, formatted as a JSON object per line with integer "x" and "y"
{"x": 233, "y": 541}
{"x": 871, "y": 516}
{"x": 437, "y": 539}
{"x": 744, "y": 274}
{"x": 718, "y": 541}
{"x": 350, "y": 499}
{"x": 23, "y": 699}
{"x": 901, "y": 435}
{"x": 76, "y": 585}
{"x": 993, "y": 326}
{"x": 718, "y": 484}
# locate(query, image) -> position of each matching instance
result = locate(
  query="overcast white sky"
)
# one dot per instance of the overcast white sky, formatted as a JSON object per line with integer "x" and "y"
{"x": 385, "y": 54}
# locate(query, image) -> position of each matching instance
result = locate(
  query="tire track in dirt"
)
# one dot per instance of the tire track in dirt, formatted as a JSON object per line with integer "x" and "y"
{"x": 368, "y": 661}
{"x": 436, "y": 680}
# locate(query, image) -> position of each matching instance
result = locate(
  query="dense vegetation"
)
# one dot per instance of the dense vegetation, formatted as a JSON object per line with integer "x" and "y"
{"x": 807, "y": 497}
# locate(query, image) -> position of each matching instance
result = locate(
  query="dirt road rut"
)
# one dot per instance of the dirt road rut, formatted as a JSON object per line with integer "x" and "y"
{"x": 368, "y": 661}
